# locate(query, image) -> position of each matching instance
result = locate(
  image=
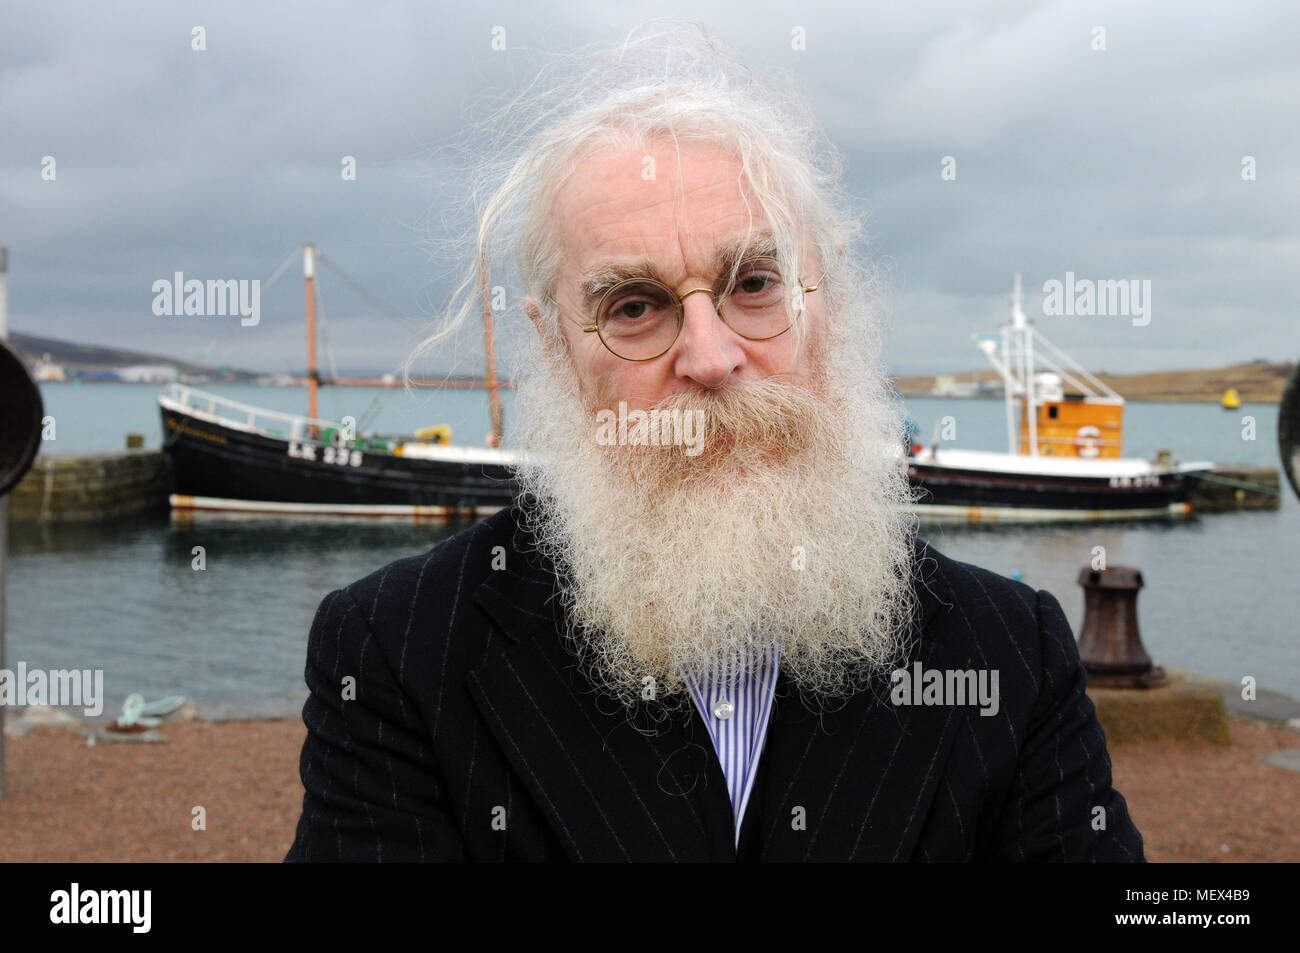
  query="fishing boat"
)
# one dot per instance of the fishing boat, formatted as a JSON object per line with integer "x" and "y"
{"x": 1063, "y": 461}
{"x": 232, "y": 457}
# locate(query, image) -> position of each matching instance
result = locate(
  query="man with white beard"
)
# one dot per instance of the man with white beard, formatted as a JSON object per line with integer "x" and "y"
{"x": 676, "y": 649}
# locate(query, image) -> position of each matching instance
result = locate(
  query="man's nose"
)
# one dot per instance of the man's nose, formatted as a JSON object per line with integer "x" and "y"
{"x": 708, "y": 352}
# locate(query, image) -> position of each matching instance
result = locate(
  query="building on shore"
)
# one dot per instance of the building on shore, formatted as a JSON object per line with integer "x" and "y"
{"x": 148, "y": 373}
{"x": 46, "y": 370}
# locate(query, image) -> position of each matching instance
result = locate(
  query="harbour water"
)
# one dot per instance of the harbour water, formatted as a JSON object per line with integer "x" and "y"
{"x": 1220, "y": 596}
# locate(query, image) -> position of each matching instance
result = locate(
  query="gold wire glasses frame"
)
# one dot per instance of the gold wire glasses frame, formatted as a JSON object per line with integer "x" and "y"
{"x": 649, "y": 293}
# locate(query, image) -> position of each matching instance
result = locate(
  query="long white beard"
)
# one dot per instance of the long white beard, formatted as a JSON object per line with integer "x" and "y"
{"x": 789, "y": 531}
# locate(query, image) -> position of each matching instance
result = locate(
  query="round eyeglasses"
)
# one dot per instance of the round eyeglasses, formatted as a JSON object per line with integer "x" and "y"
{"x": 639, "y": 319}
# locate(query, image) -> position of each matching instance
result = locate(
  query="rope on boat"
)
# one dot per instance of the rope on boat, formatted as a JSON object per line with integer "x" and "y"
{"x": 372, "y": 299}
{"x": 296, "y": 253}
{"x": 381, "y": 399}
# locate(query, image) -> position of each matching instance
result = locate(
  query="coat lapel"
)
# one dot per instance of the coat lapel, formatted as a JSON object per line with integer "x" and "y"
{"x": 614, "y": 787}
{"x": 855, "y": 783}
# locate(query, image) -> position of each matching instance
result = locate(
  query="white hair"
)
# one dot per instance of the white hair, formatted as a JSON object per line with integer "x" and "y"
{"x": 668, "y": 565}
{"x": 667, "y": 80}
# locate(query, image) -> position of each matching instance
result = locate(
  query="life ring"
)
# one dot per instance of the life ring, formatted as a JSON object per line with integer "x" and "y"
{"x": 1086, "y": 440}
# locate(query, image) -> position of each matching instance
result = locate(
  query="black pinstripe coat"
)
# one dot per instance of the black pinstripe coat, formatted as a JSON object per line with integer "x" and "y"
{"x": 472, "y": 735}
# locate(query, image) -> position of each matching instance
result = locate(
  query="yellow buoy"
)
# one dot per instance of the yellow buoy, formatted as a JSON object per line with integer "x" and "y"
{"x": 439, "y": 434}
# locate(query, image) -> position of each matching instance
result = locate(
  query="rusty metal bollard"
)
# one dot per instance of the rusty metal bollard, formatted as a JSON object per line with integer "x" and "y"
{"x": 1109, "y": 643}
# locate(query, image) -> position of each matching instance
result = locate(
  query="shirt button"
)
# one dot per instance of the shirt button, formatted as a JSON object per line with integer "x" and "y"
{"x": 724, "y": 710}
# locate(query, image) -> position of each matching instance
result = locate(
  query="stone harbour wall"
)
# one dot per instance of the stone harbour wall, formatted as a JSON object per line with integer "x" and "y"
{"x": 69, "y": 487}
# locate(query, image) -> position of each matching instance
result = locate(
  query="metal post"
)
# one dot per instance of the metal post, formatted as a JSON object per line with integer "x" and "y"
{"x": 1288, "y": 429}
{"x": 1110, "y": 645}
{"x": 4, "y": 509}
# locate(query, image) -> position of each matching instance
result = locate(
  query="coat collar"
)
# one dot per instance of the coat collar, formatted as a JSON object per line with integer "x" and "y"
{"x": 619, "y": 788}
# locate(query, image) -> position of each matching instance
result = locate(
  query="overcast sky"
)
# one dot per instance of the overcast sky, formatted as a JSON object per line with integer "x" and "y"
{"x": 1122, "y": 163}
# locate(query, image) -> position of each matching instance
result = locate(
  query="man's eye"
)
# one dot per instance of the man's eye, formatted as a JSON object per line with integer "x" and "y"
{"x": 636, "y": 306}
{"x": 759, "y": 283}
{"x": 630, "y": 311}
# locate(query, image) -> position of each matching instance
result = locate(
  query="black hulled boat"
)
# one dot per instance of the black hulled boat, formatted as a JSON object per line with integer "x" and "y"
{"x": 228, "y": 456}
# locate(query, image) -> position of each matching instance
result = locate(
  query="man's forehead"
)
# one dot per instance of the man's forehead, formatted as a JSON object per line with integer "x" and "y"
{"x": 629, "y": 205}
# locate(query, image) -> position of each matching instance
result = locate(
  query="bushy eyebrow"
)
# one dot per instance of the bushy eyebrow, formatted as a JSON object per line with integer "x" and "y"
{"x": 600, "y": 278}
{"x": 596, "y": 281}
{"x": 759, "y": 245}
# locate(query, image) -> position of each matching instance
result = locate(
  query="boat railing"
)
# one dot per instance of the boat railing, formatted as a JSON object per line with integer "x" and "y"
{"x": 1079, "y": 441}
{"x": 269, "y": 423}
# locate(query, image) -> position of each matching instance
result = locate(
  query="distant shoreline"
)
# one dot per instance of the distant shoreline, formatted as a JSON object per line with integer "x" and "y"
{"x": 1131, "y": 387}
{"x": 1258, "y": 383}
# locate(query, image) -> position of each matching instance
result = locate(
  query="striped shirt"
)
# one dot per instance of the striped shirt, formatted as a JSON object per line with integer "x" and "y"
{"x": 736, "y": 710}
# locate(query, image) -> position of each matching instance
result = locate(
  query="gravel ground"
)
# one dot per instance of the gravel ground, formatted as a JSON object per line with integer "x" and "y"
{"x": 66, "y": 801}
{"x": 1212, "y": 803}
{"x": 131, "y": 801}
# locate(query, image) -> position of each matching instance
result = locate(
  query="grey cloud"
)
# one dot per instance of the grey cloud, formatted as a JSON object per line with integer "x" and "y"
{"x": 1117, "y": 164}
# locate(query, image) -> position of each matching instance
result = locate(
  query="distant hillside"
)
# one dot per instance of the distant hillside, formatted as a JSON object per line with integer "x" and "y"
{"x": 1259, "y": 383}
{"x": 95, "y": 357}
{"x": 1255, "y": 383}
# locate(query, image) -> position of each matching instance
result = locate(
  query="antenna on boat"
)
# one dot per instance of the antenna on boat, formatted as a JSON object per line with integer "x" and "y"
{"x": 1022, "y": 349}
{"x": 309, "y": 274}
{"x": 1012, "y": 366}
{"x": 1016, "y": 367}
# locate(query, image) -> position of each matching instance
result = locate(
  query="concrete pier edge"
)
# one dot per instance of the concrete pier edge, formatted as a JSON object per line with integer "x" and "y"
{"x": 1190, "y": 709}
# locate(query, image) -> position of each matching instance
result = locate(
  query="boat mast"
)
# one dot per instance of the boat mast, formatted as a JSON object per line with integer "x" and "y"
{"x": 494, "y": 394}
{"x": 1021, "y": 324}
{"x": 309, "y": 273}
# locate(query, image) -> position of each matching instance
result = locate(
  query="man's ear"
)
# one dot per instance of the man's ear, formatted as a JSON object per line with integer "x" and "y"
{"x": 551, "y": 335}
{"x": 534, "y": 314}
